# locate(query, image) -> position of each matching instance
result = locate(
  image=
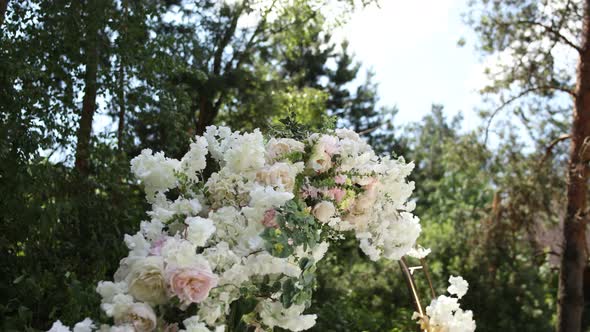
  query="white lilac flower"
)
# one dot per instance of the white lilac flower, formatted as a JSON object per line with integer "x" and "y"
{"x": 458, "y": 286}
{"x": 87, "y": 325}
{"x": 137, "y": 245}
{"x": 274, "y": 314}
{"x": 58, "y": 326}
{"x": 195, "y": 160}
{"x": 445, "y": 314}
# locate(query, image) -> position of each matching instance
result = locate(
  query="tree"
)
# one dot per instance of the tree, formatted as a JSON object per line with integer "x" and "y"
{"x": 528, "y": 33}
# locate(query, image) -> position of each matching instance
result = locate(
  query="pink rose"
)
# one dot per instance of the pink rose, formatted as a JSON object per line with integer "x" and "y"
{"x": 337, "y": 193}
{"x": 191, "y": 285}
{"x": 270, "y": 219}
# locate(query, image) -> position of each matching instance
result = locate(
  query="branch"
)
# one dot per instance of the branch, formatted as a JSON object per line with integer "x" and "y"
{"x": 241, "y": 55}
{"x": 225, "y": 41}
{"x": 551, "y": 30}
{"x": 520, "y": 95}
{"x": 369, "y": 130}
{"x": 551, "y": 145}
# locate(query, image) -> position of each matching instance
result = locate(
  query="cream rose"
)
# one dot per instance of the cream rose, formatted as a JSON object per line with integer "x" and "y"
{"x": 319, "y": 161}
{"x": 279, "y": 174}
{"x": 139, "y": 315}
{"x": 323, "y": 210}
{"x": 277, "y": 148}
{"x": 191, "y": 285}
{"x": 146, "y": 280}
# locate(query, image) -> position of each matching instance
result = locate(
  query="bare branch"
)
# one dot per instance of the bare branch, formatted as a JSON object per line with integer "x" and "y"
{"x": 551, "y": 145}
{"x": 517, "y": 97}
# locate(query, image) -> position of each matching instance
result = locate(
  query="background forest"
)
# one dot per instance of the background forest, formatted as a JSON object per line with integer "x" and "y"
{"x": 86, "y": 85}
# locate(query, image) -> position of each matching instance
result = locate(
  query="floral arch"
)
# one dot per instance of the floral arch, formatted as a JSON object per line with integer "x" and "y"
{"x": 237, "y": 226}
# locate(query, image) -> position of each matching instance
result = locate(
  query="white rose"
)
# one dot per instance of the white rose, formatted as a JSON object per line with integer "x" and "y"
{"x": 323, "y": 210}
{"x": 199, "y": 230}
{"x": 140, "y": 315}
{"x": 146, "y": 280}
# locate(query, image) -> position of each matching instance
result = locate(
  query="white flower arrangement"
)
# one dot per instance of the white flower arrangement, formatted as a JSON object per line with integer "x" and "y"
{"x": 245, "y": 236}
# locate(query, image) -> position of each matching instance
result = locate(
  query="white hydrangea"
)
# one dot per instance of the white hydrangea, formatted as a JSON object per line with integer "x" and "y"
{"x": 155, "y": 171}
{"x": 182, "y": 253}
{"x": 246, "y": 152}
{"x": 199, "y": 230}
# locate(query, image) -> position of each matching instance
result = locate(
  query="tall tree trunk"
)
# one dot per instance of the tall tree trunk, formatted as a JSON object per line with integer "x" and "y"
{"x": 90, "y": 88}
{"x": 121, "y": 98}
{"x": 3, "y": 7}
{"x": 121, "y": 78}
{"x": 207, "y": 115}
{"x": 575, "y": 257}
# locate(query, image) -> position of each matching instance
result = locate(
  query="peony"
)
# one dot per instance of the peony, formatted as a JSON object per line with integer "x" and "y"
{"x": 323, "y": 210}
{"x": 199, "y": 230}
{"x": 146, "y": 280}
{"x": 139, "y": 315}
{"x": 191, "y": 285}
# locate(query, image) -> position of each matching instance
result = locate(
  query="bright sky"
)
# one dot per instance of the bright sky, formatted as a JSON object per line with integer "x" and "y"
{"x": 412, "y": 47}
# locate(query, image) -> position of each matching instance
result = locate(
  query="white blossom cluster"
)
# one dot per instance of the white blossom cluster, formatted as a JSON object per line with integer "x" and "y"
{"x": 444, "y": 313}
{"x": 258, "y": 218}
